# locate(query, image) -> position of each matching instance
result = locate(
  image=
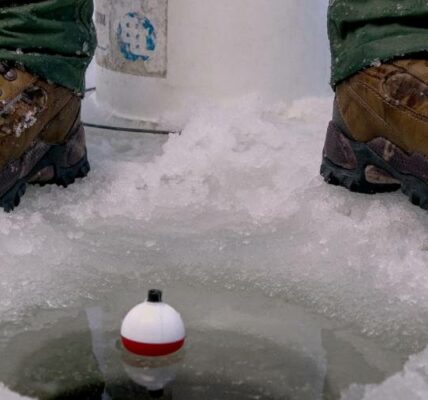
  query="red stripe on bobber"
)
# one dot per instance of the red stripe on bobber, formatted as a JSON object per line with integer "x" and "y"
{"x": 152, "y": 350}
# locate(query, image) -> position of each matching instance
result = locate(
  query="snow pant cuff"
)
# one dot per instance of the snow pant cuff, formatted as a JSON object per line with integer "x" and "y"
{"x": 365, "y": 32}
{"x": 352, "y": 60}
{"x": 54, "y": 39}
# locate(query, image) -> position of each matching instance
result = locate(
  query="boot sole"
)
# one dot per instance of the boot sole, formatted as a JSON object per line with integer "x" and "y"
{"x": 378, "y": 166}
{"x": 56, "y": 160}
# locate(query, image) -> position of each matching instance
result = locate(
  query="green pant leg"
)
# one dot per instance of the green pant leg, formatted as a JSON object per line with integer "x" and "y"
{"x": 54, "y": 39}
{"x": 364, "y": 32}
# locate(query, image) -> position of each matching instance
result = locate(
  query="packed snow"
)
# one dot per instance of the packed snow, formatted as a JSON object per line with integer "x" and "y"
{"x": 234, "y": 201}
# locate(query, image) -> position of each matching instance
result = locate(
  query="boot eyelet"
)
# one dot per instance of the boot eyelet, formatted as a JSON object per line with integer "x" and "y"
{"x": 6, "y": 130}
{"x": 11, "y": 75}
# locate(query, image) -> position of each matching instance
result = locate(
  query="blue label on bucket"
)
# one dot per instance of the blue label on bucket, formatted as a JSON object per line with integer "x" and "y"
{"x": 136, "y": 37}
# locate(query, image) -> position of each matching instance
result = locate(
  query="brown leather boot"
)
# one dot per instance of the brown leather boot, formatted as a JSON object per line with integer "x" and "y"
{"x": 42, "y": 139}
{"x": 378, "y": 138}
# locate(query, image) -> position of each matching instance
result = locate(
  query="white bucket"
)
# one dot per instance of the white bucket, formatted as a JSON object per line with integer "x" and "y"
{"x": 155, "y": 54}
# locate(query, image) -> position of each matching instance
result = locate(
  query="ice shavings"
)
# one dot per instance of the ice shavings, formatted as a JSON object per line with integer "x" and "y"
{"x": 233, "y": 159}
{"x": 243, "y": 174}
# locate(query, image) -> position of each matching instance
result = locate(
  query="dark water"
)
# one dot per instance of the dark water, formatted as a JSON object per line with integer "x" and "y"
{"x": 239, "y": 346}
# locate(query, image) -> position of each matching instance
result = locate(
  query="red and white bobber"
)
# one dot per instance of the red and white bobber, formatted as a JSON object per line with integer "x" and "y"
{"x": 153, "y": 328}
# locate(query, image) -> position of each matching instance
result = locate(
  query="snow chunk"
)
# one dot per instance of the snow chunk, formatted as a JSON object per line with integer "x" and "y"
{"x": 410, "y": 384}
{"x": 6, "y": 394}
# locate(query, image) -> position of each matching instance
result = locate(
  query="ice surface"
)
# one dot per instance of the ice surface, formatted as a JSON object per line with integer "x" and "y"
{"x": 235, "y": 201}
